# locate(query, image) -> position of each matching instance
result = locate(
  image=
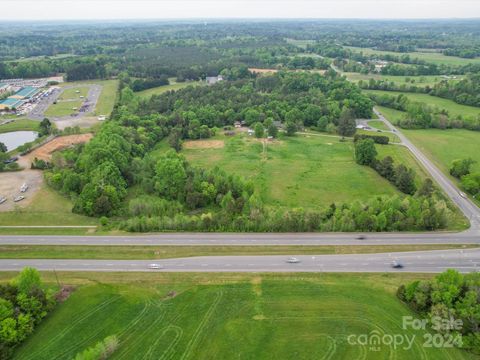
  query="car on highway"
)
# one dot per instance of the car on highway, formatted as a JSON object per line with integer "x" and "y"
{"x": 155, "y": 266}
{"x": 24, "y": 187}
{"x": 396, "y": 264}
{"x": 18, "y": 198}
{"x": 462, "y": 194}
{"x": 2, "y": 199}
{"x": 361, "y": 237}
{"x": 293, "y": 260}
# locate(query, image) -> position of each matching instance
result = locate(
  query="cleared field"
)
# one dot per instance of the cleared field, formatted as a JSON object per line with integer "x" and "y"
{"x": 304, "y": 170}
{"x": 161, "y": 89}
{"x": 45, "y": 151}
{"x": 452, "y": 107}
{"x": 432, "y": 57}
{"x": 47, "y": 208}
{"x": 63, "y": 108}
{"x": 228, "y": 316}
{"x": 19, "y": 125}
{"x": 167, "y": 252}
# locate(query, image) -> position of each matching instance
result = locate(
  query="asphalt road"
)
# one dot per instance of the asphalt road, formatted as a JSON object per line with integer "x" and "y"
{"x": 249, "y": 239}
{"x": 469, "y": 209}
{"x": 422, "y": 261}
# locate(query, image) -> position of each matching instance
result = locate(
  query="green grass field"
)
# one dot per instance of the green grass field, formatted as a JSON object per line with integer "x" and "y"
{"x": 393, "y": 138}
{"x": 63, "y": 108}
{"x": 420, "y": 81}
{"x": 432, "y": 57}
{"x": 107, "y": 98}
{"x": 229, "y": 316}
{"x": 145, "y": 94}
{"x": 444, "y": 146}
{"x": 20, "y": 125}
{"x": 301, "y": 171}
{"x": 71, "y": 93}
{"x": 47, "y": 208}
{"x": 392, "y": 115}
{"x": 379, "y": 125}
{"x": 168, "y": 252}
{"x": 452, "y": 107}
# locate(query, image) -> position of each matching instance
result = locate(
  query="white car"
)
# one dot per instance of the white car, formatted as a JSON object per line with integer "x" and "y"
{"x": 293, "y": 260}
{"x": 24, "y": 187}
{"x": 462, "y": 194}
{"x": 2, "y": 199}
{"x": 18, "y": 198}
{"x": 155, "y": 266}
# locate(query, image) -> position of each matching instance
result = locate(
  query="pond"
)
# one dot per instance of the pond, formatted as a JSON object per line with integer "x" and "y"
{"x": 16, "y": 138}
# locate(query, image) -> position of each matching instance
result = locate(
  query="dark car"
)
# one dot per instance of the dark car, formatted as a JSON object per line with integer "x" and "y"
{"x": 396, "y": 264}
{"x": 361, "y": 237}
{"x": 11, "y": 160}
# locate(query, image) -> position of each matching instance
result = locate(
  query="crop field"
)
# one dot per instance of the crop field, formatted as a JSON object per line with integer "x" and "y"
{"x": 145, "y": 94}
{"x": 452, "y": 107}
{"x": 306, "y": 171}
{"x": 227, "y": 316}
{"x": 432, "y": 57}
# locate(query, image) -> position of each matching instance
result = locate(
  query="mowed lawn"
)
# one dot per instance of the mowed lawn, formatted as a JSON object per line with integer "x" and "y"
{"x": 107, "y": 98}
{"x": 301, "y": 171}
{"x": 230, "y": 316}
{"x": 47, "y": 208}
{"x": 63, "y": 108}
{"x": 432, "y": 57}
{"x": 71, "y": 93}
{"x": 452, "y": 107}
{"x": 19, "y": 124}
{"x": 445, "y": 146}
{"x": 145, "y": 94}
{"x": 392, "y": 115}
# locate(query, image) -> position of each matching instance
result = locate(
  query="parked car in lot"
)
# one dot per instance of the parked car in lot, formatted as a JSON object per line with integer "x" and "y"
{"x": 155, "y": 266}
{"x": 24, "y": 187}
{"x": 293, "y": 260}
{"x": 18, "y": 198}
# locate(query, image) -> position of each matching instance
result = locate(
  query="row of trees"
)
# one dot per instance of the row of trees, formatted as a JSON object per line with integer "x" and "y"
{"x": 23, "y": 304}
{"x": 378, "y": 214}
{"x": 451, "y": 301}
{"x": 422, "y": 116}
{"x": 400, "y": 176}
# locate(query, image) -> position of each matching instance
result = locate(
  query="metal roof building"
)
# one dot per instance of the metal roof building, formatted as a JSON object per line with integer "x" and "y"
{"x": 10, "y": 103}
{"x": 25, "y": 93}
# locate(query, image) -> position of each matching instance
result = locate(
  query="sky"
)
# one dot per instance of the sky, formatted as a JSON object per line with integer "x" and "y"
{"x": 179, "y": 9}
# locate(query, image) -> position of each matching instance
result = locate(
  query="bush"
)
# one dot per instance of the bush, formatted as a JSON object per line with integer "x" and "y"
{"x": 101, "y": 351}
{"x": 378, "y": 139}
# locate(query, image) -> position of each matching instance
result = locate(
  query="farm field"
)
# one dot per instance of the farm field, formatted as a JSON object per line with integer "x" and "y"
{"x": 301, "y": 171}
{"x": 452, "y": 107}
{"x": 161, "y": 89}
{"x": 212, "y": 316}
{"x": 168, "y": 252}
{"x": 432, "y": 57}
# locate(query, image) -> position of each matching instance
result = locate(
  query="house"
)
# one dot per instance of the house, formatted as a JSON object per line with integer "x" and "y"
{"x": 211, "y": 80}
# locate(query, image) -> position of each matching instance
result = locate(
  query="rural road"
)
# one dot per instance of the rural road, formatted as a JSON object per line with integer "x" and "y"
{"x": 468, "y": 208}
{"x": 421, "y": 261}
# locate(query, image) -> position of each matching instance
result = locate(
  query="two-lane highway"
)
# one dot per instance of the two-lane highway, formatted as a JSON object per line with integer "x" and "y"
{"x": 466, "y": 260}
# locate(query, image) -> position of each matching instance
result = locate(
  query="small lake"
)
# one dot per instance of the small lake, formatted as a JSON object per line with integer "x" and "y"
{"x": 16, "y": 138}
